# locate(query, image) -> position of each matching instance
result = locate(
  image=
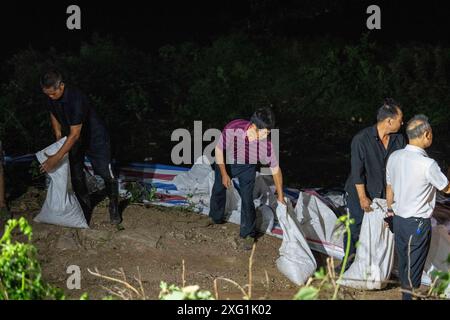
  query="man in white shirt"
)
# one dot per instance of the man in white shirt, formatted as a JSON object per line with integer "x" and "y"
{"x": 412, "y": 179}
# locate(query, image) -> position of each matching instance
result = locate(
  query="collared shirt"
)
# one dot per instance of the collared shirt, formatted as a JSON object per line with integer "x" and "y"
{"x": 414, "y": 178}
{"x": 235, "y": 142}
{"x": 72, "y": 109}
{"x": 368, "y": 161}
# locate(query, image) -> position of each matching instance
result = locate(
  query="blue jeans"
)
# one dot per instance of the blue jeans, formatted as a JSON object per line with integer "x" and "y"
{"x": 246, "y": 174}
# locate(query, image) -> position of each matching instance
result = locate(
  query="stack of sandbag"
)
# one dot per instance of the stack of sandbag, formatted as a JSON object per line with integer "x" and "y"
{"x": 61, "y": 206}
{"x": 375, "y": 253}
{"x": 296, "y": 260}
{"x": 195, "y": 181}
{"x": 319, "y": 225}
{"x": 199, "y": 181}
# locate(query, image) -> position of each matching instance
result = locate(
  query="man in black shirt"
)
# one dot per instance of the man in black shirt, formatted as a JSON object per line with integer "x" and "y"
{"x": 72, "y": 116}
{"x": 370, "y": 150}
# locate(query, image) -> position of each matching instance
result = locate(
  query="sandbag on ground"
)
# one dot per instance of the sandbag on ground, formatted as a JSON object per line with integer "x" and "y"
{"x": 61, "y": 207}
{"x": 375, "y": 254}
{"x": 194, "y": 181}
{"x": 296, "y": 260}
{"x": 318, "y": 224}
{"x": 438, "y": 254}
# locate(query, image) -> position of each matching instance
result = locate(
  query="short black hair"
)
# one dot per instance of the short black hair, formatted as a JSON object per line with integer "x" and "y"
{"x": 51, "y": 78}
{"x": 263, "y": 118}
{"x": 389, "y": 109}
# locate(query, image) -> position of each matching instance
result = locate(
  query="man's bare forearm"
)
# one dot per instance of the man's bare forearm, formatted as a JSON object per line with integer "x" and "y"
{"x": 361, "y": 189}
{"x": 68, "y": 144}
{"x": 389, "y": 196}
{"x": 278, "y": 181}
{"x": 56, "y": 127}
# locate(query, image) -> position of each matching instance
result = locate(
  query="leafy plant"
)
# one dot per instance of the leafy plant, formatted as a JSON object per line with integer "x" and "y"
{"x": 172, "y": 292}
{"x": 20, "y": 271}
{"x": 138, "y": 192}
{"x": 442, "y": 278}
{"x": 327, "y": 279}
{"x": 35, "y": 170}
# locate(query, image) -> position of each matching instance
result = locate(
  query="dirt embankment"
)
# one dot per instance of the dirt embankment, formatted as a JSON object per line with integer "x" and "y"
{"x": 157, "y": 240}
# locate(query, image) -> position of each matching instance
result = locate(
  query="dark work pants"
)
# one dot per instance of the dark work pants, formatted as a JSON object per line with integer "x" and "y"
{"x": 412, "y": 250}
{"x": 356, "y": 213}
{"x": 101, "y": 164}
{"x": 246, "y": 174}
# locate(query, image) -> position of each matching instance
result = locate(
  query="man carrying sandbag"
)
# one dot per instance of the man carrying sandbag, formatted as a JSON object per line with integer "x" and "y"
{"x": 370, "y": 149}
{"x": 412, "y": 179}
{"x": 72, "y": 116}
{"x": 245, "y": 143}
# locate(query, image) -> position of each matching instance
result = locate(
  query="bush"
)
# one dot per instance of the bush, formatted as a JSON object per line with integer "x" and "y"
{"x": 20, "y": 271}
{"x": 311, "y": 85}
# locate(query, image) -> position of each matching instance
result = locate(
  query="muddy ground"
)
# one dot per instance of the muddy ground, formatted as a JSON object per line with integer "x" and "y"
{"x": 157, "y": 240}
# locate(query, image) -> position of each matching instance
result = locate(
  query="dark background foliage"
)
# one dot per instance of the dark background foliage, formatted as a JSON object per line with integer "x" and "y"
{"x": 150, "y": 70}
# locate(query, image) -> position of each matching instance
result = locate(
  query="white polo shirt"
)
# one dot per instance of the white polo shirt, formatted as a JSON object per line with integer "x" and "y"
{"x": 414, "y": 178}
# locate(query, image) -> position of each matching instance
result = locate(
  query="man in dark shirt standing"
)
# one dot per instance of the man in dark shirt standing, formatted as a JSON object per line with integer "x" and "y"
{"x": 72, "y": 116}
{"x": 370, "y": 150}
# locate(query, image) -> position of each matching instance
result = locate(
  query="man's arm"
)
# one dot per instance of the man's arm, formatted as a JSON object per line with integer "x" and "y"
{"x": 278, "y": 180}
{"x": 226, "y": 181}
{"x": 389, "y": 197}
{"x": 56, "y": 126}
{"x": 364, "y": 201}
{"x": 358, "y": 173}
{"x": 446, "y": 189}
{"x": 53, "y": 160}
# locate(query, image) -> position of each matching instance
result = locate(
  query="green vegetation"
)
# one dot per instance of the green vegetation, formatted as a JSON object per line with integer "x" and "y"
{"x": 20, "y": 271}
{"x": 143, "y": 97}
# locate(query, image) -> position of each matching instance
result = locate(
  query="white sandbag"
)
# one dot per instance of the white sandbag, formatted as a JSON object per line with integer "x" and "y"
{"x": 61, "y": 207}
{"x": 199, "y": 181}
{"x": 375, "y": 253}
{"x": 437, "y": 256}
{"x": 296, "y": 260}
{"x": 262, "y": 192}
{"x": 319, "y": 225}
{"x": 195, "y": 181}
{"x": 265, "y": 219}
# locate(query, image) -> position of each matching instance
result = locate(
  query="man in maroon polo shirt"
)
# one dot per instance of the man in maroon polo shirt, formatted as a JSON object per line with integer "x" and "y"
{"x": 243, "y": 144}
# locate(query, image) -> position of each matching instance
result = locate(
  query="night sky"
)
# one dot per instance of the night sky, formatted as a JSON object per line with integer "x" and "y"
{"x": 151, "y": 24}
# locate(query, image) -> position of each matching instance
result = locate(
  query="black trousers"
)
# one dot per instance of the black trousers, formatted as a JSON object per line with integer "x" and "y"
{"x": 356, "y": 213}
{"x": 246, "y": 173}
{"x": 412, "y": 243}
{"x": 100, "y": 158}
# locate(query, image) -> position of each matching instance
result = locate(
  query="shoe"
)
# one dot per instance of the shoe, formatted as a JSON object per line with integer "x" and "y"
{"x": 114, "y": 214}
{"x": 204, "y": 223}
{"x": 247, "y": 243}
{"x": 221, "y": 221}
